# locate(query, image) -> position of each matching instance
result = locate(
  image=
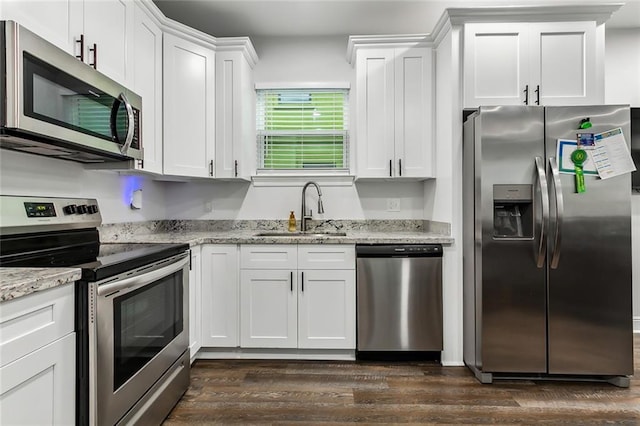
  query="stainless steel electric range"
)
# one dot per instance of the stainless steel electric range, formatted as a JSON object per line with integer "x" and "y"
{"x": 131, "y": 307}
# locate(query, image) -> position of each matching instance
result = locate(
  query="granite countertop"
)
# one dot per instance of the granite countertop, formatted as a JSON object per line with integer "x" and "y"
{"x": 18, "y": 282}
{"x": 239, "y": 236}
{"x": 246, "y": 232}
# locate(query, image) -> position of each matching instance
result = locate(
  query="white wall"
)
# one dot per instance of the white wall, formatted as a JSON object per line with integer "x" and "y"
{"x": 293, "y": 60}
{"x": 622, "y": 86}
{"x": 622, "y": 66}
{"x": 231, "y": 200}
{"x": 443, "y": 201}
{"x": 26, "y": 174}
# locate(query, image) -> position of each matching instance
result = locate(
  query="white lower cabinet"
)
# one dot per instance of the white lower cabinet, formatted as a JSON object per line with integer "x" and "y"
{"x": 220, "y": 296}
{"x": 195, "y": 298}
{"x": 298, "y": 308}
{"x": 326, "y": 309}
{"x": 39, "y": 388}
{"x": 37, "y": 358}
{"x": 268, "y": 308}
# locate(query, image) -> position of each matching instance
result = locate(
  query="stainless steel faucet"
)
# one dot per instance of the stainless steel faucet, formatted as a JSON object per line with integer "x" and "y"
{"x": 304, "y": 217}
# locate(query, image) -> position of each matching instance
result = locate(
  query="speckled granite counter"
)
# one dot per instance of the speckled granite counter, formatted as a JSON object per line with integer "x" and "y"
{"x": 246, "y": 232}
{"x": 18, "y": 282}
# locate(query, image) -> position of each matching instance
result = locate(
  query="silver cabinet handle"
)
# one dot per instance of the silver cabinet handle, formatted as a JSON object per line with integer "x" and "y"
{"x": 544, "y": 197}
{"x": 557, "y": 185}
{"x": 144, "y": 279}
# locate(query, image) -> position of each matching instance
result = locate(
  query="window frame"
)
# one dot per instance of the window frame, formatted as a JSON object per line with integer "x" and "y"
{"x": 269, "y": 175}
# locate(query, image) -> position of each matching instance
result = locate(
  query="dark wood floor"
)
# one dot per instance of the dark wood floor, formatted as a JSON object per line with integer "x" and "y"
{"x": 313, "y": 392}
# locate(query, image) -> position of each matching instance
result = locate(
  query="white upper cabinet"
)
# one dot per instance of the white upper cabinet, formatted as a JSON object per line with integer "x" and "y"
{"x": 235, "y": 113}
{"x": 52, "y": 20}
{"x": 108, "y": 38}
{"x": 189, "y": 107}
{"x": 551, "y": 63}
{"x": 98, "y": 32}
{"x": 147, "y": 82}
{"x": 394, "y": 87}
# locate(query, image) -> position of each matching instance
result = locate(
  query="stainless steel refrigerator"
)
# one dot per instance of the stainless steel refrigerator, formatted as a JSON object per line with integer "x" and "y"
{"x": 547, "y": 271}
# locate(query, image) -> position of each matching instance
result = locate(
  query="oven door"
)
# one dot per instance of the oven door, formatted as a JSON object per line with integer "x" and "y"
{"x": 141, "y": 329}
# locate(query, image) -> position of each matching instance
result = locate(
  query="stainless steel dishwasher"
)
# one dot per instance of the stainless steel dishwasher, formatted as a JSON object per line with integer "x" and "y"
{"x": 399, "y": 297}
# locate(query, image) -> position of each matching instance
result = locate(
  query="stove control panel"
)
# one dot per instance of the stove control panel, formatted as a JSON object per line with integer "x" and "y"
{"x": 36, "y": 214}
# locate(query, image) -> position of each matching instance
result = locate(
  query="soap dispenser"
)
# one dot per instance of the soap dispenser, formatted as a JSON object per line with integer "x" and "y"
{"x": 292, "y": 222}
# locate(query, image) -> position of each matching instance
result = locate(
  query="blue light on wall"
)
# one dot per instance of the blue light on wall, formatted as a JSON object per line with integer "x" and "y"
{"x": 129, "y": 186}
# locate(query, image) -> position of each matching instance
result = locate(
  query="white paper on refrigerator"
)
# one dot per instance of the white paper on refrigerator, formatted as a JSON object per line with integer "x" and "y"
{"x": 611, "y": 155}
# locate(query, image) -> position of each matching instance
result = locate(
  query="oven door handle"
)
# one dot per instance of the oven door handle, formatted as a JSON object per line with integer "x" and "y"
{"x": 142, "y": 280}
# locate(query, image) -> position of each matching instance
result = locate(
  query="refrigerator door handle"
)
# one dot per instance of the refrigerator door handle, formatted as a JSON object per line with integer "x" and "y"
{"x": 544, "y": 197}
{"x": 557, "y": 185}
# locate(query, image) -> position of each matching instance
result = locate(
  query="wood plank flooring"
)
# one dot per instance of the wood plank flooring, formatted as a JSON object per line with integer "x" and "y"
{"x": 314, "y": 392}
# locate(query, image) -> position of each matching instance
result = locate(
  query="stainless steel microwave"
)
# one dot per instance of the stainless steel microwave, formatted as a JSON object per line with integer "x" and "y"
{"x": 54, "y": 105}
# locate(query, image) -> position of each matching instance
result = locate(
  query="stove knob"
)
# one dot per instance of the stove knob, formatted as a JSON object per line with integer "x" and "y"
{"x": 92, "y": 209}
{"x": 70, "y": 209}
{"x": 82, "y": 209}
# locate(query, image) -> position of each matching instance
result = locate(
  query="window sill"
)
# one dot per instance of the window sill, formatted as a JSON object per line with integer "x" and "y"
{"x": 299, "y": 180}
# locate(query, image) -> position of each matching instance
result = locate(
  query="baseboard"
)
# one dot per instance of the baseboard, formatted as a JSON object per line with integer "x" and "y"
{"x": 452, "y": 363}
{"x": 636, "y": 324}
{"x": 307, "y": 354}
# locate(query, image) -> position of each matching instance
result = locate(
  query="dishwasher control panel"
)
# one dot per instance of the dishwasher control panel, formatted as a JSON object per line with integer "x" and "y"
{"x": 387, "y": 250}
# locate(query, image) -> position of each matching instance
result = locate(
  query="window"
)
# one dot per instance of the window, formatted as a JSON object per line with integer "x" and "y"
{"x": 302, "y": 129}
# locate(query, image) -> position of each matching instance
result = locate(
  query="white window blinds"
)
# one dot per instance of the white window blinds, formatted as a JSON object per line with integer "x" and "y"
{"x": 299, "y": 129}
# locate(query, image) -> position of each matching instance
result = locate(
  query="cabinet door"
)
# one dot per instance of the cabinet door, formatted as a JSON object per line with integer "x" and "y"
{"x": 195, "y": 302}
{"x": 109, "y": 25}
{"x": 375, "y": 112}
{"x": 51, "y": 20}
{"x": 235, "y": 106}
{"x": 413, "y": 112}
{"x": 268, "y": 309}
{"x": 327, "y": 309}
{"x": 189, "y": 104}
{"x": 147, "y": 82}
{"x": 563, "y": 59}
{"x": 39, "y": 388}
{"x": 496, "y": 64}
{"x": 220, "y": 288}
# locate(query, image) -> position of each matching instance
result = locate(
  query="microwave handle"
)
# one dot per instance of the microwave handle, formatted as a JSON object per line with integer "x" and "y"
{"x": 130, "y": 118}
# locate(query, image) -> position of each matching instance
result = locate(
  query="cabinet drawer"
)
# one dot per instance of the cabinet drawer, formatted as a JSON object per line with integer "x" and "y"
{"x": 326, "y": 256}
{"x": 33, "y": 321}
{"x": 268, "y": 256}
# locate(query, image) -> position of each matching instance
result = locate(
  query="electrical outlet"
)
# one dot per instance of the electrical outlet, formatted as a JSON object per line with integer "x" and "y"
{"x": 208, "y": 206}
{"x": 393, "y": 204}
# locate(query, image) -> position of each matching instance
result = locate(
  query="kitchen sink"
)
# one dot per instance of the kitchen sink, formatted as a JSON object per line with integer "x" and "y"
{"x": 301, "y": 234}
